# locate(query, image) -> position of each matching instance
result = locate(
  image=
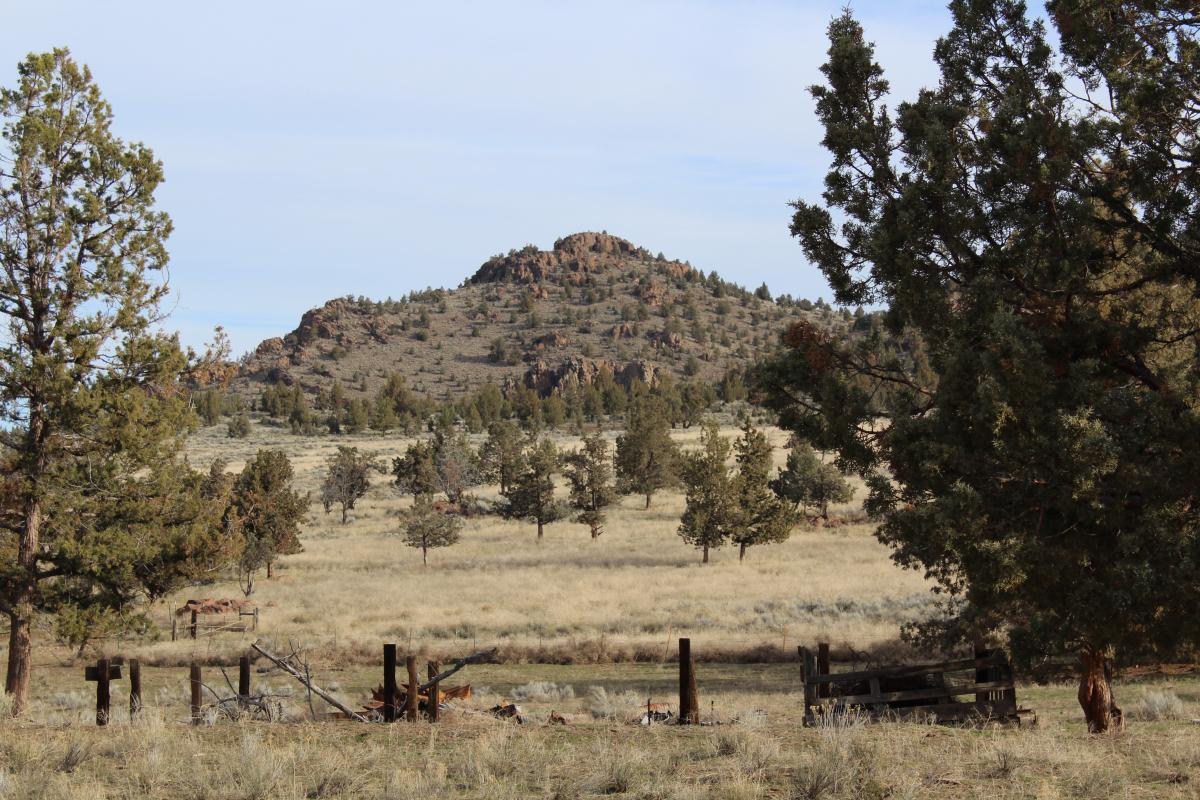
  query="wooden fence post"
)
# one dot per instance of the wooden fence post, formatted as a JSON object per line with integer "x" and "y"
{"x": 823, "y": 667}
{"x": 413, "y": 684}
{"x": 689, "y": 706}
{"x": 389, "y": 683}
{"x": 193, "y": 627}
{"x": 808, "y": 670}
{"x": 135, "y": 688}
{"x": 197, "y": 687}
{"x": 102, "y": 692}
{"x": 433, "y": 705}
{"x": 243, "y": 680}
{"x": 982, "y": 674}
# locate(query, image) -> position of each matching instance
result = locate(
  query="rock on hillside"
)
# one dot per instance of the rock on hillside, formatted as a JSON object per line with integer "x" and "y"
{"x": 537, "y": 318}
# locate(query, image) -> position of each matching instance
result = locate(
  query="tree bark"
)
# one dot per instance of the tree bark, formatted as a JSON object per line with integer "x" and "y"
{"x": 20, "y": 641}
{"x": 741, "y": 552}
{"x": 270, "y": 569}
{"x": 345, "y": 511}
{"x": 648, "y": 494}
{"x": 539, "y": 522}
{"x": 1095, "y": 692}
{"x": 705, "y": 559}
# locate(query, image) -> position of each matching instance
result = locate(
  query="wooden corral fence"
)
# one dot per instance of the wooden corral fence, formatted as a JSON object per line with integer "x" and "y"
{"x": 208, "y": 617}
{"x": 919, "y": 691}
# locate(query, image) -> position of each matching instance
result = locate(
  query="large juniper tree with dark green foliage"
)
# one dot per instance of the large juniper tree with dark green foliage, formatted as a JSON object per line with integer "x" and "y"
{"x": 1035, "y": 218}
{"x": 96, "y": 511}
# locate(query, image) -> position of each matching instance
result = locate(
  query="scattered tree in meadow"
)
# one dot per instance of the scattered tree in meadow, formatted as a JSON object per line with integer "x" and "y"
{"x": 758, "y": 516}
{"x": 647, "y": 459}
{"x": 96, "y": 510}
{"x": 708, "y": 516}
{"x": 415, "y": 472}
{"x": 590, "y": 473}
{"x": 809, "y": 481}
{"x": 239, "y": 426}
{"x": 532, "y": 496}
{"x": 425, "y": 528}
{"x": 502, "y": 456}
{"x": 347, "y": 478}
{"x": 454, "y": 462}
{"x": 269, "y": 512}
{"x": 1033, "y": 220}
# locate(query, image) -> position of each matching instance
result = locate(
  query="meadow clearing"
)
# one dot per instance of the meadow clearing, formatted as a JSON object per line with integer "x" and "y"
{"x": 586, "y": 629}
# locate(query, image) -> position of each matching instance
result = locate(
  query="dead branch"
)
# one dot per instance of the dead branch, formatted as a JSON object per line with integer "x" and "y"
{"x": 482, "y": 655}
{"x": 307, "y": 682}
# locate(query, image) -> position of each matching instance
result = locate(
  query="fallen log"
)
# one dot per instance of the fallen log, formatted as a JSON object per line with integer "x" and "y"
{"x": 312, "y": 687}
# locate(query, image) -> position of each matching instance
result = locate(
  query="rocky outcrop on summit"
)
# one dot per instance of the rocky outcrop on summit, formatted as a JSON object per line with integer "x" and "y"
{"x": 580, "y": 371}
{"x": 574, "y": 260}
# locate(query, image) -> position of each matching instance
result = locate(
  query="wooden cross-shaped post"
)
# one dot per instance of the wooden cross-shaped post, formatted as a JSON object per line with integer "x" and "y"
{"x": 102, "y": 673}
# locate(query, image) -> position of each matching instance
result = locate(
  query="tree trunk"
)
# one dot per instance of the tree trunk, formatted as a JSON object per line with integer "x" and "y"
{"x": 345, "y": 511}
{"x": 20, "y": 657}
{"x": 741, "y": 552}
{"x": 270, "y": 570}
{"x": 539, "y": 522}
{"x": 1095, "y": 692}
{"x": 705, "y": 559}
{"x": 424, "y": 557}
{"x": 648, "y": 499}
{"x": 20, "y": 616}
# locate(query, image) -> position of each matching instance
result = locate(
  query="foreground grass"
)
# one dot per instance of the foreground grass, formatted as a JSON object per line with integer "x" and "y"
{"x": 759, "y": 751}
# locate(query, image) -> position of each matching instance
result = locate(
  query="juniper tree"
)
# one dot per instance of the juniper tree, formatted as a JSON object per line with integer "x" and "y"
{"x": 501, "y": 458}
{"x": 758, "y": 516}
{"x": 347, "y": 478}
{"x": 590, "y": 473}
{"x": 647, "y": 459}
{"x": 425, "y": 528}
{"x": 806, "y": 480}
{"x": 532, "y": 496}
{"x": 1035, "y": 219}
{"x": 415, "y": 472}
{"x": 269, "y": 512}
{"x": 97, "y": 511}
{"x": 708, "y": 515}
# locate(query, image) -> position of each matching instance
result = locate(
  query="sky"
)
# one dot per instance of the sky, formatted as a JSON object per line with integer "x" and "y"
{"x": 316, "y": 150}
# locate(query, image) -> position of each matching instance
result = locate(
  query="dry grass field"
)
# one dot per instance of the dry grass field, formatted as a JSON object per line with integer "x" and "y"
{"x": 584, "y": 629}
{"x": 568, "y": 599}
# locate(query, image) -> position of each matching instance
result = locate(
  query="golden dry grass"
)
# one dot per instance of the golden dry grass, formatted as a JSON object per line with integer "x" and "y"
{"x": 625, "y": 595}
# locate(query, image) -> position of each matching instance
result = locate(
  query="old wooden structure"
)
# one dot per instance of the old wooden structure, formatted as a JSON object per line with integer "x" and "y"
{"x": 969, "y": 689}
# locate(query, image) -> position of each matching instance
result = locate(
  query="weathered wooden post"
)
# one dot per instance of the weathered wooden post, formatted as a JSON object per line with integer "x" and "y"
{"x": 413, "y": 684}
{"x": 389, "y": 683}
{"x": 982, "y": 674}
{"x": 433, "y": 706}
{"x": 102, "y": 692}
{"x": 689, "y": 706}
{"x": 193, "y": 627}
{"x": 103, "y": 673}
{"x": 197, "y": 683}
{"x": 135, "y": 688}
{"x": 823, "y": 667}
{"x": 243, "y": 681}
{"x": 808, "y": 671}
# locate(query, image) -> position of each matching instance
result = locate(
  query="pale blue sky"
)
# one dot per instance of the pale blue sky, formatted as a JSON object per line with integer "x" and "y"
{"x": 314, "y": 150}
